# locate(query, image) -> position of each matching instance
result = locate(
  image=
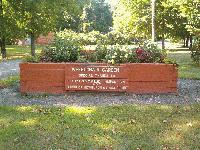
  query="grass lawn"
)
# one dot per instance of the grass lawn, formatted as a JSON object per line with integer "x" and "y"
{"x": 152, "y": 127}
{"x": 17, "y": 51}
{"x": 134, "y": 127}
{"x": 187, "y": 69}
{"x": 10, "y": 81}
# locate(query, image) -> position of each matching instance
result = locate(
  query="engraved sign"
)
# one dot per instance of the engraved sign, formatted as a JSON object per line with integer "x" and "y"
{"x": 95, "y": 78}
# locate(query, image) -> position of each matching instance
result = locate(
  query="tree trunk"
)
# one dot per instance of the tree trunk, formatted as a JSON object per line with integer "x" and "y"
{"x": 3, "y": 48}
{"x": 1, "y": 24}
{"x": 191, "y": 41}
{"x": 153, "y": 5}
{"x": 32, "y": 44}
{"x": 163, "y": 33}
{"x": 163, "y": 41}
{"x": 187, "y": 41}
{"x": 184, "y": 43}
{"x": 0, "y": 46}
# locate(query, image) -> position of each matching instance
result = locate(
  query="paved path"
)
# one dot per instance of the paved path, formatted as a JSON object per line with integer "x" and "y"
{"x": 9, "y": 68}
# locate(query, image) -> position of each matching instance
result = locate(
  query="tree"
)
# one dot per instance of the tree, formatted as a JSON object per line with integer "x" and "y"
{"x": 153, "y": 20}
{"x": 43, "y": 16}
{"x": 70, "y": 15}
{"x": 32, "y": 17}
{"x": 10, "y": 27}
{"x": 169, "y": 21}
{"x": 97, "y": 16}
{"x": 191, "y": 10}
{"x": 133, "y": 16}
{"x": 39, "y": 18}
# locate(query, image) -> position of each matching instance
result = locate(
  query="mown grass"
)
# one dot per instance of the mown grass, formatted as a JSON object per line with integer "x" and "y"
{"x": 187, "y": 68}
{"x": 10, "y": 81}
{"x": 148, "y": 127}
{"x": 17, "y": 51}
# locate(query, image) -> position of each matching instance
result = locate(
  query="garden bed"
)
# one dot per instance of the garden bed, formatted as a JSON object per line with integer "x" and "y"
{"x": 98, "y": 77}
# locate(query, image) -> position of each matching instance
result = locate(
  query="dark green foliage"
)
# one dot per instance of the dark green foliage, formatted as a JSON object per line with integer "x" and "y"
{"x": 155, "y": 54}
{"x": 67, "y": 48}
{"x": 148, "y": 53}
{"x": 100, "y": 53}
{"x": 116, "y": 37}
{"x": 63, "y": 49}
{"x": 97, "y": 16}
{"x": 195, "y": 52}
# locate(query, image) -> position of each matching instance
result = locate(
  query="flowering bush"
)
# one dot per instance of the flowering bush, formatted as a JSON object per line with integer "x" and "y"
{"x": 67, "y": 47}
{"x": 139, "y": 55}
{"x": 64, "y": 49}
{"x": 69, "y": 50}
{"x": 116, "y": 54}
{"x": 151, "y": 53}
{"x": 149, "y": 56}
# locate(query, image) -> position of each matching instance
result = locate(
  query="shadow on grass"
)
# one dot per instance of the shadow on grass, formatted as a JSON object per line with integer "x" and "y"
{"x": 187, "y": 69}
{"x": 113, "y": 127}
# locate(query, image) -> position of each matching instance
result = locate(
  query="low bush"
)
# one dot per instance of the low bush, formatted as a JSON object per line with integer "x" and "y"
{"x": 32, "y": 59}
{"x": 117, "y": 54}
{"x": 100, "y": 53}
{"x": 150, "y": 53}
{"x": 95, "y": 37}
{"x": 116, "y": 37}
{"x": 65, "y": 48}
{"x": 195, "y": 52}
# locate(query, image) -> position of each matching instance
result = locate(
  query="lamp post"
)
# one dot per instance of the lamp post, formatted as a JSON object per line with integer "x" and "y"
{"x": 153, "y": 4}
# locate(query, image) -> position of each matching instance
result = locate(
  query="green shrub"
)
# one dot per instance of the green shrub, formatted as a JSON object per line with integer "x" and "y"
{"x": 65, "y": 48}
{"x": 32, "y": 59}
{"x": 151, "y": 53}
{"x": 148, "y": 53}
{"x": 116, "y": 37}
{"x": 170, "y": 61}
{"x": 100, "y": 53}
{"x": 87, "y": 56}
{"x": 116, "y": 54}
{"x": 95, "y": 37}
{"x": 195, "y": 52}
{"x": 82, "y": 59}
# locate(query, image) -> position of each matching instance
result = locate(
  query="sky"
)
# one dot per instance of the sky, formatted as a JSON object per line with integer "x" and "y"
{"x": 112, "y": 2}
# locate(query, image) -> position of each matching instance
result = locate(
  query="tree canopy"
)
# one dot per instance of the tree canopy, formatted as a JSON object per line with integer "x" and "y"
{"x": 97, "y": 16}
{"x": 174, "y": 18}
{"x": 34, "y": 17}
{"x": 177, "y": 19}
{"x": 10, "y": 22}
